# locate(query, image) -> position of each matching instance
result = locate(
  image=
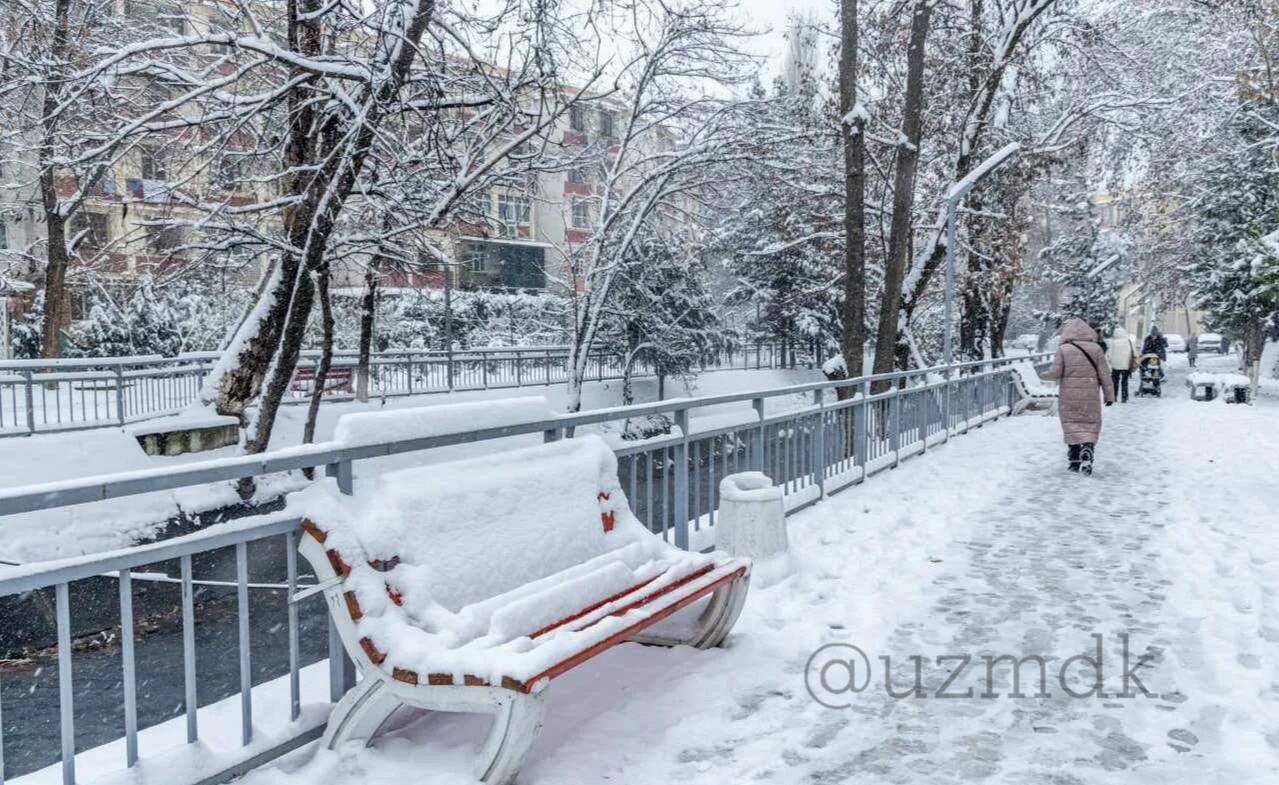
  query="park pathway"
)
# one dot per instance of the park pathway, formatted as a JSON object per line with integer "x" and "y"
{"x": 986, "y": 548}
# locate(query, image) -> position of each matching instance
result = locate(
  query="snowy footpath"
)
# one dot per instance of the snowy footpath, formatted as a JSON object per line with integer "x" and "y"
{"x": 1150, "y": 593}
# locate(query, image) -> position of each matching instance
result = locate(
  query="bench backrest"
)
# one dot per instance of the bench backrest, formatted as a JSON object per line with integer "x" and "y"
{"x": 470, "y": 530}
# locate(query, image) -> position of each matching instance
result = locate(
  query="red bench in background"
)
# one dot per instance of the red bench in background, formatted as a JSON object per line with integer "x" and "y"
{"x": 339, "y": 378}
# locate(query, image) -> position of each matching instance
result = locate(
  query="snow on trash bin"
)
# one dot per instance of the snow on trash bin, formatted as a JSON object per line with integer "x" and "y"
{"x": 752, "y": 523}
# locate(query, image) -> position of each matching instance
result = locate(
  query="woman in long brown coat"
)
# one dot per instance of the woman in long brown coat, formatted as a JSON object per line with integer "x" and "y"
{"x": 1080, "y": 366}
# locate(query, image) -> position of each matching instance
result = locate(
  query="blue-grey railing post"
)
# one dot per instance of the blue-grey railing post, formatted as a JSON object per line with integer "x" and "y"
{"x": 448, "y": 363}
{"x": 30, "y": 401}
{"x": 188, "y": 649}
{"x": 408, "y": 371}
{"x": 119, "y": 394}
{"x": 519, "y": 369}
{"x": 344, "y": 472}
{"x": 757, "y": 453}
{"x": 923, "y": 396}
{"x": 861, "y": 429}
{"x": 895, "y": 404}
{"x": 66, "y": 695}
{"x": 819, "y": 443}
{"x": 128, "y": 679}
{"x": 946, "y": 402}
{"x": 341, "y": 669}
{"x": 681, "y": 481}
{"x": 246, "y": 667}
{"x": 484, "y": 369}
{"x": 551, "y": 435}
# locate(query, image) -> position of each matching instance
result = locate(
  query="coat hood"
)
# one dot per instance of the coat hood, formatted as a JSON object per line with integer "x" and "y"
{"x": 1077, "y": 330}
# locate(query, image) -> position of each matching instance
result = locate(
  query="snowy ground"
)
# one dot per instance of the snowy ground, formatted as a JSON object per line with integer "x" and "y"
{"x": 100, "y": 526}
{"x": 986, "y": 547}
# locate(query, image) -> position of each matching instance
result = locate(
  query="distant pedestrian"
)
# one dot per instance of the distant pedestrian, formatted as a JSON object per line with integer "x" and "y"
{"x": 1156, "y": 344}
{"x": 1192, "y": 349}
{"x": 1225, "y": 345}
{"x": 1121, "y": 356}
{"x": 1080, "y": 366}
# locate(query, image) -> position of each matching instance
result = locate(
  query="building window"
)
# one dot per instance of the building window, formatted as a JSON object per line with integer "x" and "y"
{"x": 480, "y": 205}
{"x": 153, "y": 165}
{"x": 606, "y": 125}
{"x": 93, "y": 230}
{"x": 163, "y": 16}
{"x": 475, "y": 257}
{"x": 164, "y": 240}
{"x": 513, "y": 209}
{"x": 4, "y": 236}
{"x": 581, "y": 214}
{"x": 577, "y": 118}
{"x": 578, "y": 174}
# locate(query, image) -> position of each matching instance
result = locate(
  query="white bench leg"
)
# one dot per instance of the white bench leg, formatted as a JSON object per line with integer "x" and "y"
{"x": 714, "y": 623}
{"x": 361, "y": 713}
{"x": 516, "y": 722}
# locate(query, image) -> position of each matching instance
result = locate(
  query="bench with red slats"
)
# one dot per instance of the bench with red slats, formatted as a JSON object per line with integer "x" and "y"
{"x": 552, "y": 570}
{"x": 338, "y": 379}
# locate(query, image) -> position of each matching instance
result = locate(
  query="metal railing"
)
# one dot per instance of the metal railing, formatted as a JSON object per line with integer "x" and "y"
{"x": 73, "y": 394}
{"x": 813, "y": 445}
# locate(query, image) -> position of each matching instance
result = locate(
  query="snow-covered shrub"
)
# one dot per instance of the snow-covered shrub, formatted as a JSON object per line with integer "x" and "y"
{"x": 156, "y": 321}
{"x": 25, "y": 331}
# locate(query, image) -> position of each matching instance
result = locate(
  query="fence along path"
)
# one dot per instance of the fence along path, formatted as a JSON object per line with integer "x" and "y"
{"x": 73, "y": 394}
{"x": 672, "y": 482}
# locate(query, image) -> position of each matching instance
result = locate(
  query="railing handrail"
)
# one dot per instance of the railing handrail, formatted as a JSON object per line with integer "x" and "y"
{"x": 115, "y": 485}
{"x": 160, "y": 361}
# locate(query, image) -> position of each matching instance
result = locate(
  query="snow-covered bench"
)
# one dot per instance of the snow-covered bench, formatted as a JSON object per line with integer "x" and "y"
{"x": 469, "y": 586}
{"x": 1233, "y": 387}
{"x": 1034, "y": 392}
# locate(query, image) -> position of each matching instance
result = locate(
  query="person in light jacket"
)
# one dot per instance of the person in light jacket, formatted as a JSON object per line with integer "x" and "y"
{"x": 1121, "y": 356}
{"x": 1192, "y": 349}
{"x": 1080, "y": 367}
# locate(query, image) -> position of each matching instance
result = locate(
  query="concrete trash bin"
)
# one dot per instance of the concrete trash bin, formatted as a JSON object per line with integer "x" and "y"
{"x": 752, "y": 518}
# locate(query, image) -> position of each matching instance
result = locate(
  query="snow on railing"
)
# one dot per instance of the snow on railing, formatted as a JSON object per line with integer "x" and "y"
{"x": 810, "y": 441}
{"x": 67, "y": 394}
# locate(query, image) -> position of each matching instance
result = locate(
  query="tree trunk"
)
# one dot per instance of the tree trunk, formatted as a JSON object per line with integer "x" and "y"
{"x": 886, "y": 340}
{"x": 326, "y": 360}
{"x": 326, "y": 165}
{"x": 291, "y": 339}
{"x": 368, "y": 303}
{"x": 55, "y": 271}
{"x": 326, "y": 355}
{"x": 852, "y": 128}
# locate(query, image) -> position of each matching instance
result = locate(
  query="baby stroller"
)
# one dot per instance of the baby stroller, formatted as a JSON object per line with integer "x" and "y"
{"x": 1152, "y": 376}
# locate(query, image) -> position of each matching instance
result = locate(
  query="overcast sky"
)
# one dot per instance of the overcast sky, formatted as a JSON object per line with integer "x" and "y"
{"x": 772, "y": 14}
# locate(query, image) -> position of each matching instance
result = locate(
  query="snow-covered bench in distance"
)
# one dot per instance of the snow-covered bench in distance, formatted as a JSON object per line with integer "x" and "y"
{"x": 1035, "y": 393}
{"x": 1233, "y": 387}
{"x": 469, "y": 586}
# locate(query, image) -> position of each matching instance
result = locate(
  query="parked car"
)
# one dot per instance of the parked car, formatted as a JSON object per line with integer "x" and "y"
{"x": 1175, "y": 342}
{"x": 1210, "y": 342}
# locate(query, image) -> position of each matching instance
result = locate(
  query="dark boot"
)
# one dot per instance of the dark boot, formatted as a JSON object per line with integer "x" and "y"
{"x": 1072, "y": 455}
{"x": 1085, "y": 457}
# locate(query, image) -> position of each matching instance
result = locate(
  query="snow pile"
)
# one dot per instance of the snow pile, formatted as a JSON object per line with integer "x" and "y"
{"x": 835, "y": 367}
{"x": 491, "y": 551}
{"x": 365, "y": 428}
